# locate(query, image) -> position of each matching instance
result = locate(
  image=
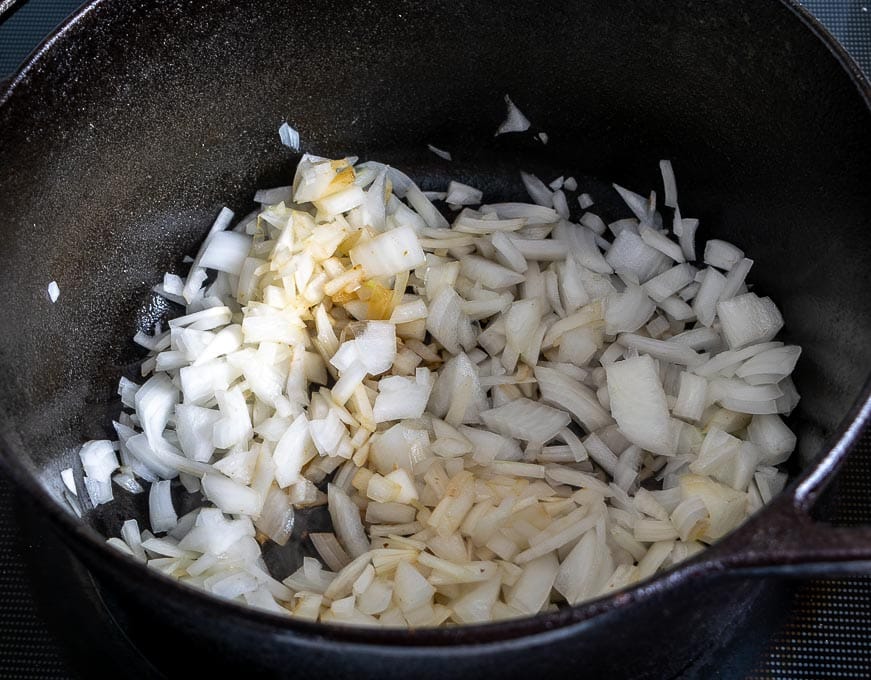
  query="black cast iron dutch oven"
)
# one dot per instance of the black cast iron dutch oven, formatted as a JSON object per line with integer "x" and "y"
{"x": 130, "y": 127}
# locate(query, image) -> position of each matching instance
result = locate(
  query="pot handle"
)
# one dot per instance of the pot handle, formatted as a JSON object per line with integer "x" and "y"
{"x": 786, "y": 540}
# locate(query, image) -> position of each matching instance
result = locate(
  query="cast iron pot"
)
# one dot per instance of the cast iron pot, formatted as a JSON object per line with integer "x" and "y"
{"x": 124, "y": 134}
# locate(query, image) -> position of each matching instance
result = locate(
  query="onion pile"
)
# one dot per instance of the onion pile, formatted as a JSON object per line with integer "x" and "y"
{"x": 502, "y": 414}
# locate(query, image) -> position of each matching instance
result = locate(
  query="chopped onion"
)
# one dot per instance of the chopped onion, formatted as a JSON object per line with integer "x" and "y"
{"x": 289, "y": 137}
{"x": 99, "y": 460}
{"x": 672, "y": 352}
{"x": 627, "y": 311}
{"x": 463, "y": 194}
{"x": 276, "y": 518}
{"x": 722, "y": 255}
{"x": 346, "y": 522}
{"x": 514, "y": 121}
{"x": 669, "y": 183}
{"x": 639, "y": 406}
{"x": 537, "y": 190}
{"x": 735, "y": 278}
{"x": 749, "y": 319}
{"x": 561, "y": 391}
{"x": 389, "y": 253}
{"x": 527, "y": 420}
{"x": 400, "y": 398}
{"x": 692, "y": 397}
{"x": 629, "y": 253}
{"x": 441, "y": 154}
{"x": 774, "y": 439}
{"x": 533, "y": 214}
{"x": 705, "y": 302}
{"x": 160, "y": 509}
{"x": 345, "y": 336}
{"x": 230, "y": 496}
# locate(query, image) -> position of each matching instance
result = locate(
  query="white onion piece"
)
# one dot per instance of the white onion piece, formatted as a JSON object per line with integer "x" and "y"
{"x": 669, "y": 183}
{"x": 690, "y": 517}
{"x": 692, "y": 397}
{"x": 327, "y": 434}
{"x": 585, "y": 570}
{"x": 533, "y": 214}
{"x": 639, "y": 406}
{"x": 661, "y": 242}
{"x": 99, "y": 460}
{"x": 548, "y": 250}
{"x": 628, "y": 311}
{"x": 203, "y": 320}
{"x": 446, "y": 319}
{"x": 735, "y": 278}
{"x": 197, "y": 275}
{"x": 705, "y": 302}
{"x": 226, "y": 251}
{"x": 560, "y": 204}
{"x": 465, "y": 224}
{"x": 98, "y": 492}
{"x": 629, "y": 253}
{"x": 669, "y": 282}
{"x": 677, "y": 309}
{"x": 749, "y": 319}
{"x": 725, "y": 506}
{"x": 376, "y": 346}
{"x": 507, "y": 253}
{"x": 424, "y": 207}
{"x": 231, "y": 496}
{"x": 266, "y": 197}
{"x": 346, "y": 522}
{"x": 276, "y": 518}
{"x": 581, "y": 243}
{"x": 389, "y": 253}
{"x": 446, "y": 155}
{"x": 400, "y": 398}
{"x": 527, "y": 420}
{"x": 155, "y": 401}
{"x": 289, "y": 137}
{"x": 769, "y": 366}
{"x": 537, "y": 190}
{"x": 532, "y": 589}
{"x": 722, "y": 254}
{"x": 489, "y": 274}
{"x": 69, "y": 480}
{"x": 774, "y": 439}
{"x": 567, "y": 394}
{"x": 593, "y": 222}
{"x": 463, "y": 194}
{"x": 292, "y": 451}
{"x": 685, "y": 229}
{"x": 160, "y": 509}
{"x": 331, "y": 551}
{"x": 666, "y": 350}
{"x": 514, "y": 121}
{"x": 636, "y": 203}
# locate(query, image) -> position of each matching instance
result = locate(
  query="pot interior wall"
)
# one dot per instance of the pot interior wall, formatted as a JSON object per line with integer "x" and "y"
{"x": 119, "y": 149}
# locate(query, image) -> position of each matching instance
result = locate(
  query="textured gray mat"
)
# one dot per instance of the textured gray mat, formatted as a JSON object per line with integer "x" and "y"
{"x": 827, "y": 633}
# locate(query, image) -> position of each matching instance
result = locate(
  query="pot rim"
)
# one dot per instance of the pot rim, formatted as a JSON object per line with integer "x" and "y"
{"x": 92, "y": 548}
